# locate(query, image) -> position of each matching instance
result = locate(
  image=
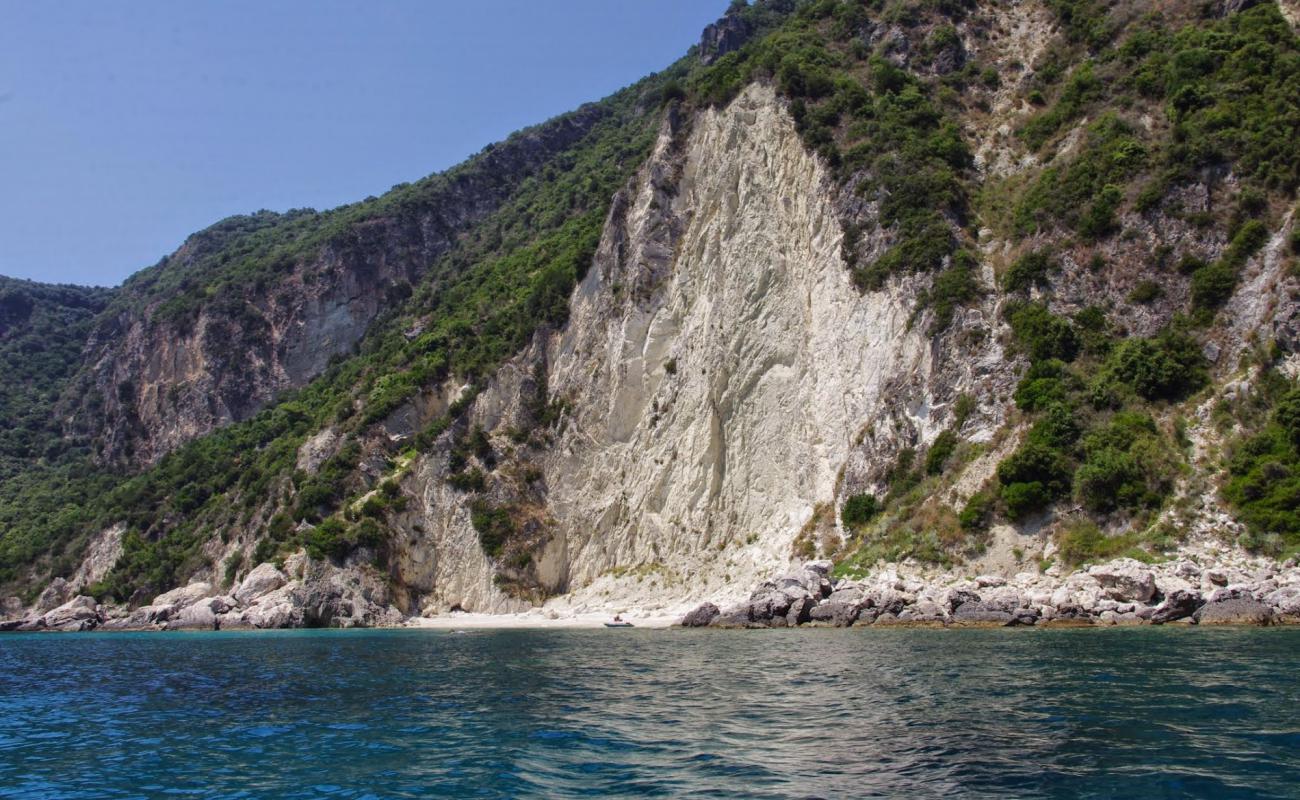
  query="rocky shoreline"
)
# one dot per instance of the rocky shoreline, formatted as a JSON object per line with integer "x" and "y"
{"x": 1120, "y": 592}
{"x": 303, "y": 593}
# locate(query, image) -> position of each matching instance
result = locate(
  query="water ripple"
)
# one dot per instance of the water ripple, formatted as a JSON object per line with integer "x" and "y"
{"x": 706, "y": 714}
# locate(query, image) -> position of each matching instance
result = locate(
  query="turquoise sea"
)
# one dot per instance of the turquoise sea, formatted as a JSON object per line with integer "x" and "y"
{"x": 1131, "y": 713}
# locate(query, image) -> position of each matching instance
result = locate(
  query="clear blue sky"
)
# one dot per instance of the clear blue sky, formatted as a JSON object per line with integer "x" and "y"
{"x": 125, "y": 126}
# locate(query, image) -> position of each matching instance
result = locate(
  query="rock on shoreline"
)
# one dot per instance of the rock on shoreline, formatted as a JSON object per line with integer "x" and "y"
{"x": 319, "y": 596}
{"x": 1120, "y": 592}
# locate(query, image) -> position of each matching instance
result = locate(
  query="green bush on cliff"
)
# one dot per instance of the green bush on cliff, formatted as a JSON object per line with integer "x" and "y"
{"x": 858, "y": 510}
{"x": 1263, "y": 483}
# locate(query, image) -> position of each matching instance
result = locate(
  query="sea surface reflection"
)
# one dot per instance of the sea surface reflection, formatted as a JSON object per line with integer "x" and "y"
{"x": 635, "y": 713}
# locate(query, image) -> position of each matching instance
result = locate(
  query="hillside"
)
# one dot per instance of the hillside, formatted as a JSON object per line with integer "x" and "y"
{"x": 969, "y": 287}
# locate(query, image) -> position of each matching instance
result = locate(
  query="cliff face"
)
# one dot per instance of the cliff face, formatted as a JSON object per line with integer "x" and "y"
{"x": 152, "y": 383}
{"x": 724, "y": 383}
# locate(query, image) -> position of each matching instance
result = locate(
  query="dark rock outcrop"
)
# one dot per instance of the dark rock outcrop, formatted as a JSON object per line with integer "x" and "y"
{"x": 702, "y": 616}
{"x": 1234, "y": 611}
{"x": 1178, "y": 604}
{"x": 724, "y": 36}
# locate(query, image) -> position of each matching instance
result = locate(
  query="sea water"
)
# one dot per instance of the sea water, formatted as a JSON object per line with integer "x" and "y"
{"x": 1149, "y": 713}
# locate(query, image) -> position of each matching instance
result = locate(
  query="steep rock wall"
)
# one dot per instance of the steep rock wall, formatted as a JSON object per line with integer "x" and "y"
{"x": 709, "y": 420}
{"x": 723, "y": 380}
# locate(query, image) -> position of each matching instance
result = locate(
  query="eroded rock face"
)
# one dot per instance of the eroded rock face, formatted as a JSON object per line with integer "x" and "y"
{"x": 717, "y": 366}
{"x": 159, "y": 383}
{"x": 263, "y": 579}
{"x": 718, "y": 375}
{"x": 724, "y": 36}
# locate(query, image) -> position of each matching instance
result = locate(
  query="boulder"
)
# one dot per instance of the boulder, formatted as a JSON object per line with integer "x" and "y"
{"x": 841, "y": 615}
{"x": 701, "y": 616}
{"x": 1285, "y": 602}
{"x": 886, "y": 601}
{"x": 1235, "y": 591}
{"x": 1126, "y": 579}
{"x": 822, "y": 568}
{"x": 1187, "y": 570}
{"x": 774, "y": 603}
{"x": 1178, "y": 604}
{"x": 1026, "y": 616}
{"x": 1004, "y": 598}
{"x": 194, "y": 617}
{"x": 140, "y": 619}
{"x": 1235, "y": 611}
{"x": 11, "y": 607}
{"x": 54, "y": 595}
{"x": 733, "y": 618}
{"x": 279, "y": 613}
{"x": 184, "y": 596}
{"x": 851, "y": 595}
{"x": 958, "y": 598}
{"x": 990, "y": 581}
{"x": 977, "y": 613}
{"x": 78, "y": 614}
{"x": 800, "y": 611}
{"x": 233, "y": 621}
{"x": 264, "y": 578}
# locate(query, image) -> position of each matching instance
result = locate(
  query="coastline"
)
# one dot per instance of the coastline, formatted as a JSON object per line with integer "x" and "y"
{"x": 1203, "y": 586}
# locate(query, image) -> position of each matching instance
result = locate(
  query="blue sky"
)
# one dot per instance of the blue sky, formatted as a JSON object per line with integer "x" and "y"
{"x": 125, "y": 126}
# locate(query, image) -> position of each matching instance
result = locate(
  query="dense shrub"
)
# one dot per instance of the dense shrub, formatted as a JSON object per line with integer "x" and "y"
{"x": 1042, "y": 334}
{"x": 1166, "y": 367}
{"x": 1035, "y": 475}
{"x": 940, "y": 451}
{"x": 1031, "y": 269}
{"x": 1045, "y": 383}
{"x": 977, "y": 512}
{"x": 494, "y": 526}
{"x": 1145, "y": 292}
{"x": 858, "y": 510}
{"x": 1263, "y": 483}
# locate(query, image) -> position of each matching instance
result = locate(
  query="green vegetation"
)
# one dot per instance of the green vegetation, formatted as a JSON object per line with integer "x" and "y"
{"x": 1093, "y": 435}
{"x": 1145, "y": 292}
{"x": 859, "y": 510}
{"x": 1213, "y": 284}
{"x": 42, "y": 330}
{"x": 1085, "y": 193}
{"x": 493, "y": 525}
{"x": 977, "y": 512}
{"x": 1229, "y": 87}
{"x": 1263, "y": 484}
{"x": 1221, "y": 95}
{"x": 1031, "y": 269}
{"x": 1081, "y": 542}
{"x": 940, "y": 451}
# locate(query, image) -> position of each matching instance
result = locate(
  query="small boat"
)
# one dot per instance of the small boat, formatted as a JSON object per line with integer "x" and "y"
{"x": 618, "y": 624}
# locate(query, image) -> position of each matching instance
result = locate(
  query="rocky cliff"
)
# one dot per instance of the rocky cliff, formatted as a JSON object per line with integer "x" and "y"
{"x": 993, "y": 290}
{"x": 158, "y": 373}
